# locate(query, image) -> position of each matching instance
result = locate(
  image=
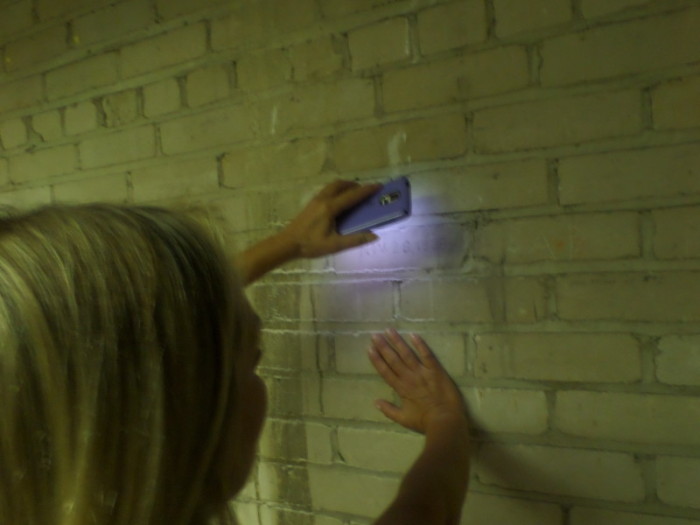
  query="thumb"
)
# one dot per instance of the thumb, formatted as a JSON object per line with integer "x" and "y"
{"x": 389, "y": 410}
{"x": 357, "y": 239}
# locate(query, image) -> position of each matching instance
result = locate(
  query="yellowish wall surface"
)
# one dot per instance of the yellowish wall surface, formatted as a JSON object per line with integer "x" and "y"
{"x": 553, "y": 257}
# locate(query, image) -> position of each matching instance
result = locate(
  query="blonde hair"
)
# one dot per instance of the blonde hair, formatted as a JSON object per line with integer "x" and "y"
{"x": 119, "y": 328}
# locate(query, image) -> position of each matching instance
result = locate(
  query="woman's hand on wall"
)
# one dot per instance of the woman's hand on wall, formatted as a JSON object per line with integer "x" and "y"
{"x": 429, "y": 397}
{"x": 434, "y": 488}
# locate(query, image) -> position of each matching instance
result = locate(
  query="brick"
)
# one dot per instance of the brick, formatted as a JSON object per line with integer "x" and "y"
{"x": 316, "y": 59}
{"x": 671, "y": 297}
{"x": 289, "y": 351}
{"x": 351, "y": 492}
{"x": 276, "y": 302}
{"x": 255, "y": 23}
{"x": 635, "y": 418}
{"x": 325, "y": 520}
{"x": 293, "y": 397}
{"x": 450, "y": 301}
{"x": 283, "y": 483}
{"x": 264, "y": 70}
{"x": 491, "y": 186}
{"x": 351, "y": 352}
{"x": 335, "y": 8}
{"x": 678, "y": 360}
{"x": 48, "y": 125}
{"x": 525, "y": 299}
{"x": 26, "y": 199}
{"x": 17, "y": 17}
{"x": 356, "y": 301}
{"x": 514, "y": 16}
{"x": 506, "y": 410}
{"x": 677, "y": 104}
{"x": 353, "y": 399}
{"x": 175, "y": 179}
{"x": 120, "y": 108}
{"x": 451, "y": 25}
{"x": 4, "y": 172}
{"x": 583, "y": 516}
{"x": 677, "y": 481}
{"x": 296, "y": 159}
{"x": 319, "y": 449}
{"x": 105, "y": 188}
{"x": 13, "y": 133}
{"x": 293, "y": 517}
{"x": 118, "y": 148}
{"x": 496, "y": 510}
{"x": 676, "y": 233}
{"x": 80, "y": 118}
{"x": 420, "y": 140}
{"x": 42, "y": 164}
{"x": 88, "y": 74}
{"x": 408, "y": 246}
{"x": 249, "y": 212}
{"x": 112, "y": 22}
{"x": 594, "y": 8}
{"x": 320, "y": 104}
{"x": 21, "y": 94}
{"x": 161, "y": 98}
{"x": 208, "y": 84}
{"x": 566, "y": 357}
{"x": 379, "y": 44}
{"x": 608, "y": 476}
{"x": 378, "y": 450}
{"x": 206, "y": 130}
{"x": 622, "y": 49}
{"x": 168, "y": 9}
{"x": 630, "y": 175}
{"x": 174, "y": 47}
{"x": 560, "y": 238}
{"x": 557, "y": 121}
{"x": 466, "y": 77}
{"x": 37, "y": 48}
{"x": 248, "y": 513}
{"x": 474, "y": 301}
{"x": 50, "y": 9}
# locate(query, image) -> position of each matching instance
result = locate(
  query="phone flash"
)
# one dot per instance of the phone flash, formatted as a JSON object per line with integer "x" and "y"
{"x": 389, "y": 198}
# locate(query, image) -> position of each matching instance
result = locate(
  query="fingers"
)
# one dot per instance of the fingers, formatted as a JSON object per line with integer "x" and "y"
{"x": 336, "y": 187}
{"x": 391, "y": 356}
{"x": 351, "y": 196}
{"x": 427, "y": 356}
{"x": 343, "y": 242}
{"x": 382, "y": 367}
{"x": 407, "y": 355}
{"x": 389, "y": 410}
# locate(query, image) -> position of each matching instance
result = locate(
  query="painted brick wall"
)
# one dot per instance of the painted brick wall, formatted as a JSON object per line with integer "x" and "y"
{"x": 553, "y": 260}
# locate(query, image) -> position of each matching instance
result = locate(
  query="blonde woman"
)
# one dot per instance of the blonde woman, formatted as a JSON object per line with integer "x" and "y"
{"x": 128, "y": 391}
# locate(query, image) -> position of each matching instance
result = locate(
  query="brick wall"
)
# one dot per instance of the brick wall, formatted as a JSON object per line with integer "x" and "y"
{"x": 553, "y": 259}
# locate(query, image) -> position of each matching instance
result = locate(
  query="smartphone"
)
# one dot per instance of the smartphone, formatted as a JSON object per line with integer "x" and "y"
{"x": 390, "y": 204}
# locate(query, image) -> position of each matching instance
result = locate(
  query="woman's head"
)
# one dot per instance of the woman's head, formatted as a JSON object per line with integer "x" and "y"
{"x": 122, "y": 337}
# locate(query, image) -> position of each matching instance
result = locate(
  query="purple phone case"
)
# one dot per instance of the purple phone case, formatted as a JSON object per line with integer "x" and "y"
{"x": 390, "y": 204}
